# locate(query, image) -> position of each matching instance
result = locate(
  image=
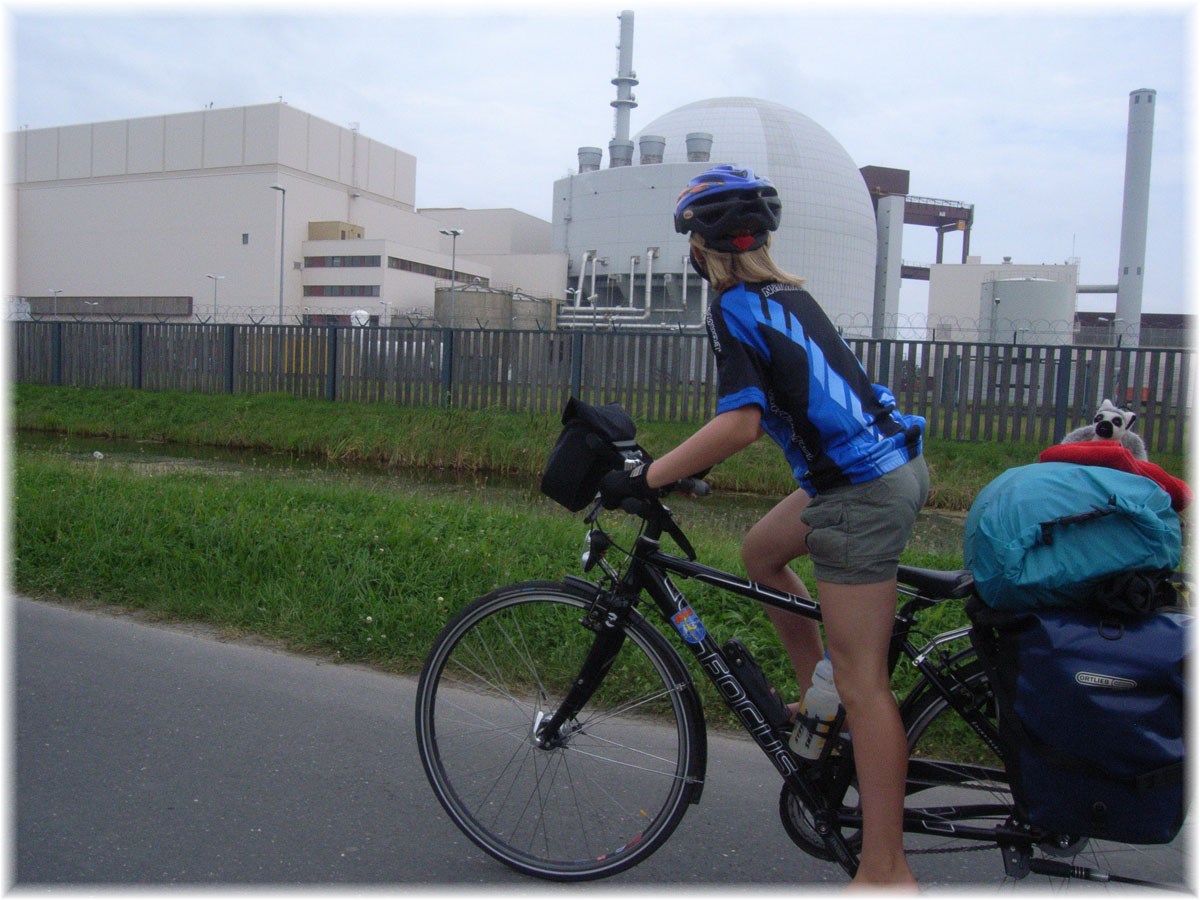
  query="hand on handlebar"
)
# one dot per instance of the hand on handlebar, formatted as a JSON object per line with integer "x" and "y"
{"x": 618, "y": 486}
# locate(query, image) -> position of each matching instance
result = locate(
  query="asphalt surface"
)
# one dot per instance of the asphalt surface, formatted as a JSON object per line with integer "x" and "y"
{"x": 164, "y": 755}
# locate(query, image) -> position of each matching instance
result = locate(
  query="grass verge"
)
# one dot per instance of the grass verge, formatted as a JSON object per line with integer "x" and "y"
{"x": 357, "y": 572}
{"x": 514, "y": 443}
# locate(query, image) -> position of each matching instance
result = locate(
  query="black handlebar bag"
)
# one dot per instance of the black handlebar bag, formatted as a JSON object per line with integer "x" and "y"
{"x": 588, "y": 447}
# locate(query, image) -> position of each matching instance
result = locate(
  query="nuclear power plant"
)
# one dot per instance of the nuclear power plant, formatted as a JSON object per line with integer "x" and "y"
{"x": 293, "y": 219}
{"x": 842, "y": 227}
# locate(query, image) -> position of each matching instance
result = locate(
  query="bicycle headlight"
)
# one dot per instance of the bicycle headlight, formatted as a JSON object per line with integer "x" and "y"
{"x": 595, "y": 543}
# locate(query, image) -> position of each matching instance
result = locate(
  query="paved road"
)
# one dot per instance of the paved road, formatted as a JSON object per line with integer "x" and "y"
{"x": 158, "y": 755}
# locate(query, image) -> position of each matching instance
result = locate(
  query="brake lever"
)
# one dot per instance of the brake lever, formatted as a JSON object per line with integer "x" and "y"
{"x": 591, "y": 517}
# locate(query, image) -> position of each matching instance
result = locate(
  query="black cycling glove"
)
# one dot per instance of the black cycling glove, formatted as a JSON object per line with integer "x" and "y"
{"x": 620, "y": 485}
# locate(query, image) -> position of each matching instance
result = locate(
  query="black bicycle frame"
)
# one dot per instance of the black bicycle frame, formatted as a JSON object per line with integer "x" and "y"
{"x": 648, "y": 572}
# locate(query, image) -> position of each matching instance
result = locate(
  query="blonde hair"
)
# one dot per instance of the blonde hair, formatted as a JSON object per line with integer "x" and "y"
{"x": 728, "y": 269}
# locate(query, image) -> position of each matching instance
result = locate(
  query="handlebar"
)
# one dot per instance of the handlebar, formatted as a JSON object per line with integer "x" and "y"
{"x": 657, "y": 517}
{"x": 696, "y": 487}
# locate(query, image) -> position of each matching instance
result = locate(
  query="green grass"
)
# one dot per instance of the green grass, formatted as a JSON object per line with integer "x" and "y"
{"x": 356, "y": 568}
{"x": 463, "y": 440}
{"x": 361, "y": 574}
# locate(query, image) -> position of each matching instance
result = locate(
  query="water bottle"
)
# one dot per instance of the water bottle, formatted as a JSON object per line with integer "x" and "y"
{"x": 814, "y": 722}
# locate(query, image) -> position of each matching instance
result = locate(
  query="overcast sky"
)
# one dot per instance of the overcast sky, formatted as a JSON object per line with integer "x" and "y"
{"x": 1020, "y": 110}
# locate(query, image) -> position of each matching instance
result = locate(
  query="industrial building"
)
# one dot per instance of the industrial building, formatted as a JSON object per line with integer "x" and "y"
{"x": 270, "y": 214}
{"x": 615, "y": 224}
{"x": 260, "y": 212}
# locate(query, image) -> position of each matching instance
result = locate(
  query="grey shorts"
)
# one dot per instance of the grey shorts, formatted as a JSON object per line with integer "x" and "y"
{"x": 859, "y": 530}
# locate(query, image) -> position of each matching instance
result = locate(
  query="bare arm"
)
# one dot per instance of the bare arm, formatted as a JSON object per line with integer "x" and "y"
{"x": 718, "y": 439}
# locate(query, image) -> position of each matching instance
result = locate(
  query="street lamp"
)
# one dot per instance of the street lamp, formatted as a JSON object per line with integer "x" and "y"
{"x": 55, "y": 292}
{"x": 1110, "y": 328}
{"x": 215, "y": 279}
{"x": 453, "y": 234}
{"x": 282, "y": 218}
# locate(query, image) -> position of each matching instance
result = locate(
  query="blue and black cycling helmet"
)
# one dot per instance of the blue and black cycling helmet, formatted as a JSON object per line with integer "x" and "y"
{"x": 732, "y": 209}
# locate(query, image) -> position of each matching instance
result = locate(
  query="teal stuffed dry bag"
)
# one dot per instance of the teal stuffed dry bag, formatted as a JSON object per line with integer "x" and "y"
{"x": 1048, "y": 534}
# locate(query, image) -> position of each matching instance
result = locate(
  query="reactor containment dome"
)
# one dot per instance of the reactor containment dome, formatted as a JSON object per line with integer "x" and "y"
{"x": 827, "y": 236}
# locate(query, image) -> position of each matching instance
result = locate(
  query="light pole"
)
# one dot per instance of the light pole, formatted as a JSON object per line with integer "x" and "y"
{"x": 55, "y": 292}
{"x": 282, "y": 218}
{"x": 215, "y": 279}
{"x": 1110, "y": 329}
{"x": 453, "y": 233}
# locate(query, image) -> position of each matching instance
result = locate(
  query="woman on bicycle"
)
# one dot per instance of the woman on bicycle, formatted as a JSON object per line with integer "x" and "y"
{"x": 783, "y": 370}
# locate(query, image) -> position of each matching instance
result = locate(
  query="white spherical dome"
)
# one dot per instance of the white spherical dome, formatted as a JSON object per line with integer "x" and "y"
{"x": 828, "y": 233}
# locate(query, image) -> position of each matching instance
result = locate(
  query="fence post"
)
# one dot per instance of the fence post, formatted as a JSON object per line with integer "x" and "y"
{"x": 885, "y": 364}
{"x": 331, "y": 372}
{"x": 1062, "y": 384}
{"x": 447, "y": 365}
{"x": 56, "y": 353}
{"x": 229, "y": 358}
{"x": 576, "y": 363}
{"x": 136, "y": 354}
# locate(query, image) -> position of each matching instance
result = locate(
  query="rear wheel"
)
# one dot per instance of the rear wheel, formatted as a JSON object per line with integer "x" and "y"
{"x": 954, "y": 777}
{"x": 613, "y": 787}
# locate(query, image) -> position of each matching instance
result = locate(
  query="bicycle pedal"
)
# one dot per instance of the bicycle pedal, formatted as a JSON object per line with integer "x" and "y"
{"x": 751, "y": 676}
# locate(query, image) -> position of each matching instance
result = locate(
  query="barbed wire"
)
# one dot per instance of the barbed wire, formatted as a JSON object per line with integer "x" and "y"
{"x": 897, "y": 326}
{"x": 919, "y": 326}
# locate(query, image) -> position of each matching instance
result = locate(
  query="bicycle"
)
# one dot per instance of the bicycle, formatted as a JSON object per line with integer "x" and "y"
{"x": 579, "y": 763}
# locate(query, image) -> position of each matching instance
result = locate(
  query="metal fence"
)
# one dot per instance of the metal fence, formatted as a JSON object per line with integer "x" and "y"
{"x": 966, "y": 391}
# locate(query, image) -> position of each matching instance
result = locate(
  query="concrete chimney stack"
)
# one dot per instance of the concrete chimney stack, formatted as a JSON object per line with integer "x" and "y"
{"x": 589, "y": 158}
{"x": 699, "y": 146}
{"x": 651, "y": 147}
{"x": 1134, "y": 215}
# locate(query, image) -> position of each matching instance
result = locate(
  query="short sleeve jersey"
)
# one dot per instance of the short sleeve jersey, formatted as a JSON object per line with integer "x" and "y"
{"x": 776, "y": 348}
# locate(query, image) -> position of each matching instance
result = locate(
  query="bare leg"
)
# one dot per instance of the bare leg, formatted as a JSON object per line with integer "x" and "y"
{"x": 858, "y": 625}
{"x": 774, "y": 541}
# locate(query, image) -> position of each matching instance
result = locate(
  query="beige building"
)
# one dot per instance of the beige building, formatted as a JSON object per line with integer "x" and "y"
{"x": 1005, "y": 301}
{"x": 251, "y": 213}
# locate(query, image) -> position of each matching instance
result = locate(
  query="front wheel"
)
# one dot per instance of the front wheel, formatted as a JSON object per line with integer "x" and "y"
{"x": 610, "y": 789}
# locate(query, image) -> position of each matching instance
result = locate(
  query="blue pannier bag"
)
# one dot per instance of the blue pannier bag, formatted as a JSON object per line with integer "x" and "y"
{"x": 1048, "y": 534}
{"x": 1091, "y": 718}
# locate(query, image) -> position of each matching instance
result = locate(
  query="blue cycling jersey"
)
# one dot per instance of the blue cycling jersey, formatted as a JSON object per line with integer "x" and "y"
{"x": 776, "y": 348}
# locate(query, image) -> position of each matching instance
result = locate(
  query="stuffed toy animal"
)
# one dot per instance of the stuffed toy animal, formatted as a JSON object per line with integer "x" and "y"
{"x": 1111, "y": 424}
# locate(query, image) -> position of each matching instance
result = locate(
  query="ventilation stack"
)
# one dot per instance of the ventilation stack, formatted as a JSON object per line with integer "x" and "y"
{"x": 699, "y": 146}
{"x": 1134, "y": 215}
{"x": 652, "y": 147}
{"x": 620, "y": 148}
{"x": 589, "y": 159}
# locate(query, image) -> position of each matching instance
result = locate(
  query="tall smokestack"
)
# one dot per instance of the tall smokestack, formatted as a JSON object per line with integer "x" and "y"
{"x": 620, "y": 149}
{"x": 1134, "y": 214}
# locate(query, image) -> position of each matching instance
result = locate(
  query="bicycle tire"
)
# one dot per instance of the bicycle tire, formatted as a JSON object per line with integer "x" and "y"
{"x": 621, "y": 780}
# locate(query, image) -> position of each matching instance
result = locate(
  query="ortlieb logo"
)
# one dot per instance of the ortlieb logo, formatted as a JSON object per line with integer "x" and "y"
{"x": 1091, "y": 679}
